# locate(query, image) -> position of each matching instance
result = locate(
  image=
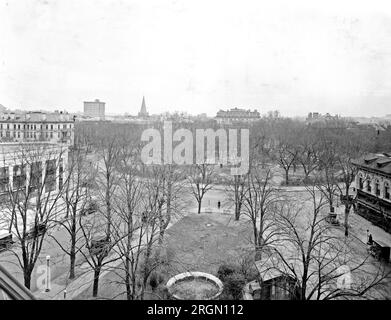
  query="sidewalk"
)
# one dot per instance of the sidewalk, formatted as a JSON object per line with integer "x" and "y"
{"x": 359, "y": 226}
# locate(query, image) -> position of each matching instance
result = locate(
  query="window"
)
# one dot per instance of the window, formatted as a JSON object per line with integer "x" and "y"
{"x": 369, "y": 187}
{"x": 387, "y": 191}
{"x": 36, "y": 175}
{"x": 19, "y": 177}
{"x": 377, "y": 188}
{"x": 50, "y": 179}
{"x": 360, "y": 183}
{"x": 4, "y": 179}
{"x": 60, "y": 174}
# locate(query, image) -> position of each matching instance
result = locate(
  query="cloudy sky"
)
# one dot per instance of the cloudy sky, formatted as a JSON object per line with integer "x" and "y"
{"x": 197, "y": 55}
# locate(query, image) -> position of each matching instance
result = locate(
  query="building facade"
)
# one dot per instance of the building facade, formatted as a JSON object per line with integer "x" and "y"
{"x": 373, "y": 187}
{"x": 29, "y": 168}
{"x": 237, "y": 115}
{"x": 54, "y": 127}
{"x": 95, "y": 109}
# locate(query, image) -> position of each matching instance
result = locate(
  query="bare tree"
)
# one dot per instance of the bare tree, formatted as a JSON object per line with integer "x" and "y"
{"x": 33, "y": 199}
{"x": 260, "y": 199}
{"x": 77, "y": 199}
{"x": 99, "y": 244}
{"x": 235, "y": 191}
{"x": 200, "y": 179}
{"x": 308, "y": 153}
{"x": 327, "y": 178}
{"x": 312, "y": 254}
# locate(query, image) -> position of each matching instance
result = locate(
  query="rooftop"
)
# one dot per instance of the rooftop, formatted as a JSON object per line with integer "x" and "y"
{"x": 380, "y": 162}
{"x": 36, "y": 116}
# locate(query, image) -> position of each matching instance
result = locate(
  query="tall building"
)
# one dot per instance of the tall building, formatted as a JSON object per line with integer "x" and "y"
{"x": 56, "y": 127}
{"x": 143, "y": 111}
{"x": 373, "y": 187}
{"x": 237, "y": 115}
{"x": 94, "y": 109}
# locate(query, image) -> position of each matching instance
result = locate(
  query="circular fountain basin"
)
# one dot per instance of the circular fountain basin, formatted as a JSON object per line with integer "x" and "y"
{"x": 195, "y": 285}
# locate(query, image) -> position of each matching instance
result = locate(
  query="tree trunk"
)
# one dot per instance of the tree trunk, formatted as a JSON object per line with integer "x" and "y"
{"x": 199, "y": 206}
{"x": 237, "y": 212}
{"x": 27, "y": 279}
{"x": 72, "y": 252}
{"x": 286, "y": 176}
{"x": 72, "y": 266}
{"x": 347, "y": 210}
{"x": 127, "y": 281}
{"x": 96, "y": 282}
{"x": 12, "y": 221}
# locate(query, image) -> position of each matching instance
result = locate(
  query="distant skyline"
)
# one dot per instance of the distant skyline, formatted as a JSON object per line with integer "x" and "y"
{"x": 197, "y": 56}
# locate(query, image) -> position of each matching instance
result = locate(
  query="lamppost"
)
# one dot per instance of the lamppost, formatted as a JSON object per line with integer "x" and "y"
{"x": 47, "y": 274}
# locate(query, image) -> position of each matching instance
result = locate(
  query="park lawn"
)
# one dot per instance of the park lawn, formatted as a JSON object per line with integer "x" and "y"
{"x": 202, "y": 242}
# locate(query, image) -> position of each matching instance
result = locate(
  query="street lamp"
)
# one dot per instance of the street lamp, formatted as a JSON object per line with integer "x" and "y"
{"x": 47, "y": 274}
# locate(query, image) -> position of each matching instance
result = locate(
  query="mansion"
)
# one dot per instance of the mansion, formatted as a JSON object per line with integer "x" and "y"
{"x": 237, "y": 115}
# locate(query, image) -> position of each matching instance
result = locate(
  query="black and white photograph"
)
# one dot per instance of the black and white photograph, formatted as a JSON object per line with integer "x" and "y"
{"x": 172, "y": 150}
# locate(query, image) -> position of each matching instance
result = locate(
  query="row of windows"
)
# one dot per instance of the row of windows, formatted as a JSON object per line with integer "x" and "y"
{"x": 377, "y": 188}
{"x": 19, "y": 176}
{"x": 18, "y": 134}
{"x": 34, "y": 126}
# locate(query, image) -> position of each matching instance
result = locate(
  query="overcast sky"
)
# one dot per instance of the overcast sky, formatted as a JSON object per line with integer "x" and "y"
{"x": 197, "y": 55}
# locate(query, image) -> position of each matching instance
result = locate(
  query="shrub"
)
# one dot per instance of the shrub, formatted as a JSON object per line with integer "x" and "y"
{"x": 233, "y": 286}
{"x": 225, "y": 270}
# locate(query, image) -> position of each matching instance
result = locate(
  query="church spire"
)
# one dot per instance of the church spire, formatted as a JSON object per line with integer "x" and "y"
{"x": 143, "y": 111}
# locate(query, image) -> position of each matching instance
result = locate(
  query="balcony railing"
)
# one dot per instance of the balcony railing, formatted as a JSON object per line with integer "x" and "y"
{"x": 12, "y": 289}
{"x": 378, "y": 204}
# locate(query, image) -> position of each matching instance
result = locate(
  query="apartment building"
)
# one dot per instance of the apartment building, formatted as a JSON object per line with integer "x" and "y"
{"x": 95, "y": 109}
